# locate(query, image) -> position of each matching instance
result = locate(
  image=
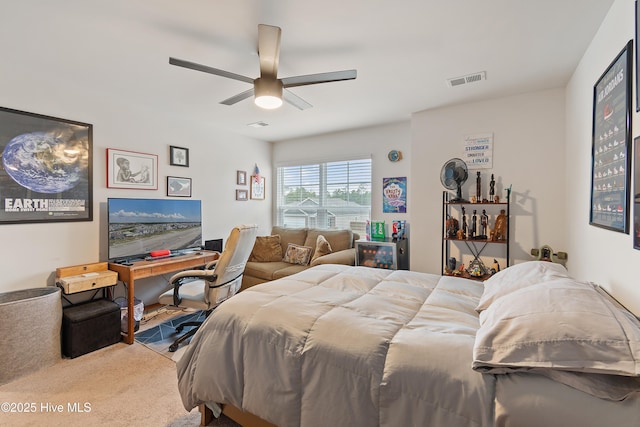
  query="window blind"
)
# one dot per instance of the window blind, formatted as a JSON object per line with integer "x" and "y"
{"x": 324, "y": 195}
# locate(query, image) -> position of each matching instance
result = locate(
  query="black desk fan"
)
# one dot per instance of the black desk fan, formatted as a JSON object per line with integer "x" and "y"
{"x": 454, "y": 173}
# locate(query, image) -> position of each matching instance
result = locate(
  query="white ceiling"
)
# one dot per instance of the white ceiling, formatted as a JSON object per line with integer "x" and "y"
{"x": 404, "y": 51}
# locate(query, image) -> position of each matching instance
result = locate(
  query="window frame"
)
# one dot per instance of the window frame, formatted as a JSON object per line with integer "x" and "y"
{"x": 317, "y": 177}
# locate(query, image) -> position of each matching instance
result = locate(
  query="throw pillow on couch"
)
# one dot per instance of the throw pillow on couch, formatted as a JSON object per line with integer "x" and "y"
{"x": 322, "y": 247}
{"x": 297, "y": 254}
{"x": 266, "y": 249}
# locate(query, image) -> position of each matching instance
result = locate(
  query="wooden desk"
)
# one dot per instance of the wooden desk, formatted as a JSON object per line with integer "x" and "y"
{"x": 143, "y": 269}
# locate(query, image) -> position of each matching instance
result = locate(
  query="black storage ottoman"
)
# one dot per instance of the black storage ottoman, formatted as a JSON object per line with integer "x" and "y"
{"x": 89, "y": 326}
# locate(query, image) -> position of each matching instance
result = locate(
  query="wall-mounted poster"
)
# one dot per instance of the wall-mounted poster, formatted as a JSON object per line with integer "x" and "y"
{"x": 394, "y": 195}
{"x": 478, "y": 151}
{"x": 611, "y": 145}
{"x": 46, "y": 168}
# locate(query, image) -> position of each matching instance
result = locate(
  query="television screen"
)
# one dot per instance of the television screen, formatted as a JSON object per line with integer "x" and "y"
{"x": 139, "y": 226}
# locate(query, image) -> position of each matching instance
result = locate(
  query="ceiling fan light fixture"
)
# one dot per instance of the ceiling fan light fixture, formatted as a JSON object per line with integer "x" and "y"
{"x": 268, "y": 102}
{"x": 268, "y": 93}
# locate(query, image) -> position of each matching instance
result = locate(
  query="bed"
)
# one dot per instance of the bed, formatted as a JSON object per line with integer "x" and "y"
{"x": 340, "y": 345}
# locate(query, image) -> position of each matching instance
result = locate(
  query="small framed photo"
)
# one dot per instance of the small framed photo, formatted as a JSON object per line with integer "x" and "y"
{"x": 242, "y": 195}
{"x": 130, "y": 169}
{"x": 241, "y": 177}
{"x": 178, "y": 156}
{"x": 257, "y": 187}
{"x": 178, "y": 187}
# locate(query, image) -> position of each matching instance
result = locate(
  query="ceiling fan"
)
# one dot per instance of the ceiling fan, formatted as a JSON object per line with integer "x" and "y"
{"x": 268, "y": 89}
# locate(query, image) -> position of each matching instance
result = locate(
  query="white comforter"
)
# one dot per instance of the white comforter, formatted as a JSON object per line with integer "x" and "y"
{"x": 337, "y": 345}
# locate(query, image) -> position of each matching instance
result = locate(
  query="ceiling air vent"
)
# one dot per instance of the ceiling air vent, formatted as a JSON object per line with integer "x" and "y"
{"x": 458, "y": 81}
{"x": 258, "y": 124}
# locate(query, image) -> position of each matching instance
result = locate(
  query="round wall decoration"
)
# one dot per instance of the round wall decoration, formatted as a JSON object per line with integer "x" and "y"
{"x": 394, "y": 155}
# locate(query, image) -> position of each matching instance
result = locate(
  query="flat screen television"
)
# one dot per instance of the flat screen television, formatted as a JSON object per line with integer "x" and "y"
{"x": 139, "y": 226}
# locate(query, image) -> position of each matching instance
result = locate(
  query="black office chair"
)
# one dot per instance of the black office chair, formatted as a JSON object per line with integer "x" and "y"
{"x": 208, "y": 288}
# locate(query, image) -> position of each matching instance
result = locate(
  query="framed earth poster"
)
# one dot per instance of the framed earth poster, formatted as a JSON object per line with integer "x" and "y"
{"x": 46, "y": 170}
{"x": 611, "y": 145}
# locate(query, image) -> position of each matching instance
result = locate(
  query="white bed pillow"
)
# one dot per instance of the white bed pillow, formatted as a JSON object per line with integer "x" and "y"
{"x": 517, "y": 277}
{"x": 559, "y": 324}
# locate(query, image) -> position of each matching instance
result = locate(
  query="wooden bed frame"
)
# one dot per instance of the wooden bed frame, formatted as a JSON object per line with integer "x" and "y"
{"x": 245, "y": 419}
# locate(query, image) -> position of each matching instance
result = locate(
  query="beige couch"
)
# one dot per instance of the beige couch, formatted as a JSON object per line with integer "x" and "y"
{"x": 272, "y": 258}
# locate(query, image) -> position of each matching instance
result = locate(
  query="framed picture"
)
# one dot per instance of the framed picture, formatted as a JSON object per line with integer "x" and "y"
{"x": 242, "y": 195}
{"x": 394, "y": 195}
{"x": 611, "y": 145}
{"x": 46, "y": 171}
{"x": 257, "y": 187}
{"x": 178, "y": 187}
{"x": 178, "y": 156}
{"x": 241, "y": 178}
{"x": 636, "y": 197}
{"x": 129, "y": 169}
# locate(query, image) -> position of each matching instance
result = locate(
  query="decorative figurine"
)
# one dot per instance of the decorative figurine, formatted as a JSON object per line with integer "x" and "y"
{"x": 464, "y": 223}
{"x": 475, "y": 271}
{"x": 484, "y": 221}
{"x": 500, "y": 229}
{"x": 452, "y": 226}
{"x": 495, "y": 267}
{"x": 478, "y": 187}
{"x": 492, "y": 189}
{"x": 452, "y": 263}
{"x": 474, "y": 225}
{"x": 477, "y": 268}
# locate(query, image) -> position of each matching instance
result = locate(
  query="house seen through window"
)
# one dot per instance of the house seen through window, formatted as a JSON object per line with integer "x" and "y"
{"x": 325, "y": 195}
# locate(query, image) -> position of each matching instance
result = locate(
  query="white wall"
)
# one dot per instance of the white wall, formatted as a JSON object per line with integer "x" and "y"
{"x": 596, "y": 254}
{"x": 375, "y": 142}
{"x": 30, "y": 253}
{"x": 528, "y": 154}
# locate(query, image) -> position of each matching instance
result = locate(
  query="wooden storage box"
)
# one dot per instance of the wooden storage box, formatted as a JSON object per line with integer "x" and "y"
{"x": 90, "y": 326}
{"x": 86, "y": 277}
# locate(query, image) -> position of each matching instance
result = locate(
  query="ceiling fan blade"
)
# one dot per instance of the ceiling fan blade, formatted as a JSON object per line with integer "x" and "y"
{"x": 210, "y": 70}
{"x": 269, "y": 49}
{"x": 310, "y": 79}
{"x": 237, "y": 98}
{"x": 295, "y": 100}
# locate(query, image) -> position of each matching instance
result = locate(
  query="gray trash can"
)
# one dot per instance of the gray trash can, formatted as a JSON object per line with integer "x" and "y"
{"x": 30, "y": 325}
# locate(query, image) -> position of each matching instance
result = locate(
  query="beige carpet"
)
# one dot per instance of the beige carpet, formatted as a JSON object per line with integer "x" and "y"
{"x": 120, "y": 385}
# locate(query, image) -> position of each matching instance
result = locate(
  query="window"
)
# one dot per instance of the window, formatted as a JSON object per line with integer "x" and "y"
{"x": 324, "y": 195}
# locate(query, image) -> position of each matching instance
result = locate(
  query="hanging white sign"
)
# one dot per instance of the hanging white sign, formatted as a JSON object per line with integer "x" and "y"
{"x": 478, "y": 151}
